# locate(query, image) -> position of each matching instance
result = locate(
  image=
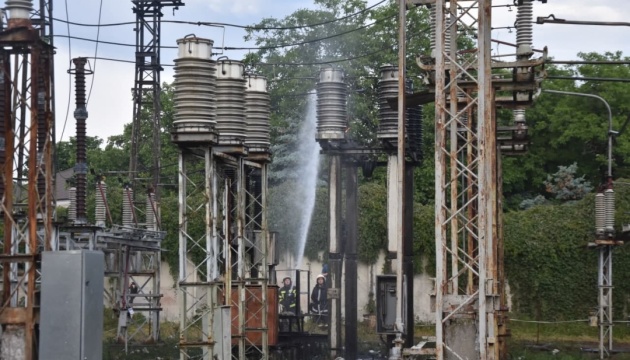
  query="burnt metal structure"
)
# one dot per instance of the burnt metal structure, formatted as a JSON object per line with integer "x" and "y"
{"x": 27, "y": 142}
{"x": 222, "y": 207}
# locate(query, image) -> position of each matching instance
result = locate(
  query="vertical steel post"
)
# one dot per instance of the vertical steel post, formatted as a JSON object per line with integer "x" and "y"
{"x": 335, "y": 257}
{"x": 604, "y": 283}
{"x": 350, "y": 294}
{"x": 400, "y": 170}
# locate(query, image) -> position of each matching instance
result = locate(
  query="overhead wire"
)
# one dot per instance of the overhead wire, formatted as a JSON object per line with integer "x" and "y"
{"x": 98, "y": 33}
{"x": 247, "y": 27}
{"x": 65, "y": 122}
{"x": 246, "y": 48}
{"x": 285, "y": 64}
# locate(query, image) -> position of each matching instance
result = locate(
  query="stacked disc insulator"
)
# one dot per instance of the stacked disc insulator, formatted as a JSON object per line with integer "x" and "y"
{"x": 257, "y": 112}
{"x": 231, "y": 88}
{"x": 100, "y": 212}
{"x": 195, "y": 83}
{"x": 332, "y": 113}
{"x": 127, "y": 210}
{"x": 388, "y": 117}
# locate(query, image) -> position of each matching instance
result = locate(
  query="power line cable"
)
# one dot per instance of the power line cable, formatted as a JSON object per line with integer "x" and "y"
{"x": 98, "y": 33}
{"x": 246, "y": 48}
{"x": 65, "y": 122}
{"x": 310, "y": 41}
{"x": 286, "y": 64}
{"x": 247, "y": 27}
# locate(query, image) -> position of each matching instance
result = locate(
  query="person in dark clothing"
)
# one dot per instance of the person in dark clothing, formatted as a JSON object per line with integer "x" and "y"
{"x": 287, "y": 296}
{"x": 133, "y": 290}
{"x": 319, "y": 301}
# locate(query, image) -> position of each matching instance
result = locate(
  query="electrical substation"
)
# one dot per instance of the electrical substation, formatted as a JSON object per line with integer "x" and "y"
{"x": 58, "y": 276}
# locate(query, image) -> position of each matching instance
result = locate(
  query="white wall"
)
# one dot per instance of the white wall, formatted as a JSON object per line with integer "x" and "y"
{"x": 423, "y": 286}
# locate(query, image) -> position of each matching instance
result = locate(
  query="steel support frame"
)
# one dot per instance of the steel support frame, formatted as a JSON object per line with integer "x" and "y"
{"x": 27, "y": 201}
{"x": 234, "y": 269}
{"x": 147, "y": 79}
{"x": 199, "y": 279}
{"x": 466, "y": 186}
{"x": 335, "y": 255}
{"x": 605, "y": 300}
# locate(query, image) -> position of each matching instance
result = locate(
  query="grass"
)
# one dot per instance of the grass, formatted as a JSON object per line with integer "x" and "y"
{"x": 528, "y": 341}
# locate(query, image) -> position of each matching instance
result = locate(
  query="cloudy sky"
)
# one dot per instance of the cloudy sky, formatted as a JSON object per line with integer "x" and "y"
{"x": 110, "y": 104}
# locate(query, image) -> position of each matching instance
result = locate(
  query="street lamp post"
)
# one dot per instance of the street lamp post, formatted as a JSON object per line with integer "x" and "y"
{"x": 604, "y": 276}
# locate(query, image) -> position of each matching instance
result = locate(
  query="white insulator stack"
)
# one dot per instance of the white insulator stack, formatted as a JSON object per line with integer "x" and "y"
{"x": 151, "y": 207}
{"x": 387, "y": 88}
{"x": 610, "y": 211}
{"x": 195, "y": 87}
{"x": 100, "y": 212}
{"x": 332, "y": 113}
{"x": 524, "y": 28}
{"x": 447, "y": 35}
{"x": 600, "y": 214}
{"x": 231, "y": 102}
{"x": 257, "y": 113}
{"x": 72, "y": 209}
{"x": 127, "y": 210}
{"x": 19, "y": 9}
{"x": 432, "y": 22}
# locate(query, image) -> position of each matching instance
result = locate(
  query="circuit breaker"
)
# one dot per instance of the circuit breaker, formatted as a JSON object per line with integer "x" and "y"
{"x": 385, "y": 304}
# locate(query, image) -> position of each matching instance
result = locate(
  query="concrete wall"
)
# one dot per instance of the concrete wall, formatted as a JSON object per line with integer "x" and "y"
{"x": 366, "y": 282}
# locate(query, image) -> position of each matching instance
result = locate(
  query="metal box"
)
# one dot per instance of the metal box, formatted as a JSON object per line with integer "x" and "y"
{"x": 385, "y": 304}
{"x": 71, "y": 320}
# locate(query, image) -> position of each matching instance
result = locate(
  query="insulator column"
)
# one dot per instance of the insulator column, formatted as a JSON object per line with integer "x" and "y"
{"x": 332, "y": 118}
{"x": 80, "y": 114}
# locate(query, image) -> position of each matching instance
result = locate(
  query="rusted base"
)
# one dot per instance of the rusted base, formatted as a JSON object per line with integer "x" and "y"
{"x": 611, "y": 242}
{"x": 15, "y": 23}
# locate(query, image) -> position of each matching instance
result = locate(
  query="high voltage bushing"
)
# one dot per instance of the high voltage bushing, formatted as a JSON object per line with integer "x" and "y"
{"x": 100, "y": 212}
{"x": 332, "y": 113}
{"x": 80, "y": 114}
{"x": 257, "y": 112}
{"x": 524, "y": 28}
{"x": 388, "y": 89}
{"x": 127, "y": 204}
{"x": 195, "y": 87}
{"x": 150, "y": 211}
{"x": 415, "y": 130}
{"x": 231, "y": 102}
{"x": 19, "y": 12}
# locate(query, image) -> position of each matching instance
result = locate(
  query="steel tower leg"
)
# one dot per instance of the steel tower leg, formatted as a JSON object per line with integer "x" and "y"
{"x": 335, "y": 256}
{"x": 466, "y": 214}
{"x": 604, "y": 283}
{"x": 198, "y": 278}
{"x": 28, "y": 142}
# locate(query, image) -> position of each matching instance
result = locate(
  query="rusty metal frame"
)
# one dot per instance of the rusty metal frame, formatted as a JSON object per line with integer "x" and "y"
{"x": 232, "y": 214}
{"x": 467, "y": 283}
{"x": 27, "y": 215}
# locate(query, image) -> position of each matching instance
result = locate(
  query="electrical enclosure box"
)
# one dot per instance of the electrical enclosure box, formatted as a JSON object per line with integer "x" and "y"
{"x": 71, "y": 320}
{"x": 222, "y": 332}
{"x": 385, "y": 304}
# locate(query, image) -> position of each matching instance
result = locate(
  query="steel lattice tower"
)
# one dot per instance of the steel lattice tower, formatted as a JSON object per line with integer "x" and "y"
{"x": 147, "y": 79}
{"x": 27, "y": 133}
{"x": 468, "y": 286}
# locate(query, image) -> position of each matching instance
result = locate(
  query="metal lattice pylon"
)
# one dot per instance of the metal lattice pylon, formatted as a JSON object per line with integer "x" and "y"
{"x": 27, "y": 198}
{"x": 213, "y": 192}
{"x": 467, "y": 285}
